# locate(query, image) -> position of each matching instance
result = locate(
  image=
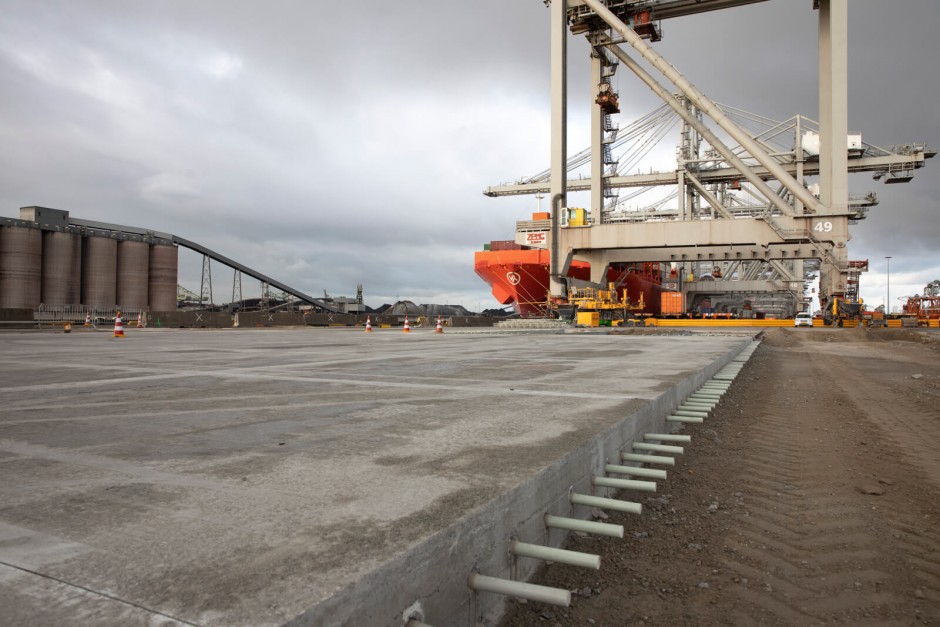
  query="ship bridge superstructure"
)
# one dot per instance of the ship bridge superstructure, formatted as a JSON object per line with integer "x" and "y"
{"x": 761, "y": 197}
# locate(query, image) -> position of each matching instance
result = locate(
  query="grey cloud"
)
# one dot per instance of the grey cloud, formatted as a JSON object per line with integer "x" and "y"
{"x": 328, "y": 144}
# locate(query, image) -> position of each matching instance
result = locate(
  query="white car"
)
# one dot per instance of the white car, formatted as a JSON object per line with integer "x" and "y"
{"x": 803, "y": 319}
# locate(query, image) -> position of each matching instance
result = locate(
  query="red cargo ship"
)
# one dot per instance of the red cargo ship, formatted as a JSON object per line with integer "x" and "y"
{"x": 518, "y": 276}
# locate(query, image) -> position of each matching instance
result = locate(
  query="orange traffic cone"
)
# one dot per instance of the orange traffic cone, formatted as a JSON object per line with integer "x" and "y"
{"x": 140, "y": 320}
{"x": 439, "y": 328}
{"x": 118, "y": 328}
{"x": 87, "y": 318}
{"x": 368, "y": 324}
{"x": 407, "y": 329}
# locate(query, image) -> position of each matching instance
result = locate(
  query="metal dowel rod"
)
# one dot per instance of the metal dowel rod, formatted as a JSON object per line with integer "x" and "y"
{"x": 643, "y": 458}
{"x": 705, "y": 407}
{"x": 624, "y": 484}
{"x": 550, "y": 554}
{"x": 703, "y": 393}
{"x": 667, "y": 437}
{"x": 688, "y": 419}
{"x": 710, "y": 400}
{"x": 584, "y": 526}
{"x": 658, "y": 448}
{"x": 652, "y": 473}
{"x": 604, "y": 503}
{"x": 691, "y": 412}
{"x": 520, "y": 589}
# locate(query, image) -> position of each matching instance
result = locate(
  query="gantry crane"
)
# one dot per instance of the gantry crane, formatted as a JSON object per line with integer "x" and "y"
{"x": 784, "y": 225}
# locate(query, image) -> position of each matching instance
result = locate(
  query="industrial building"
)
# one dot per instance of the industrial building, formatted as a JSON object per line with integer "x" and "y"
{"x": 46, "y": 259}
{"x": 53, "y": 264}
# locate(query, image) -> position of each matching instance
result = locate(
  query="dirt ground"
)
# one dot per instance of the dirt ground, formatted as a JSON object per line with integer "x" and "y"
{"x": 810, "y": 496}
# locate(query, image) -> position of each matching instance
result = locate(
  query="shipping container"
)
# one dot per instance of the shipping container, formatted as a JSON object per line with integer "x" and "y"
{"x": 671, "y": 304}
{"x": 505, "y": 244}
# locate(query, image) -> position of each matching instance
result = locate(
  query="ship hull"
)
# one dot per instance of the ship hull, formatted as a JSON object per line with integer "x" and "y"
{"x": 521, "y": 278}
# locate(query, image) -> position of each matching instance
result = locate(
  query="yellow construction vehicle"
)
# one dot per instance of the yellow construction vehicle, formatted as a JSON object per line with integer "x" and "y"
{"x": 841, "y": 310}
{"x": 597, "y": 307}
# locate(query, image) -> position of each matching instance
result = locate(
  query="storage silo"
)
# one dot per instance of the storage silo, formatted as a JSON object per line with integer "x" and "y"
{"x": 61, "y": 268}
{"x": 164, "y": 262}
{"x": 99, "y": 272}
{"x": 133, "y": 270}
{"x": 20, "y": 267}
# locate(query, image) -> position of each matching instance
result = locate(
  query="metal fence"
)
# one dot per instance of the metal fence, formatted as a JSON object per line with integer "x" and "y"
{"x": 56, "y": 315}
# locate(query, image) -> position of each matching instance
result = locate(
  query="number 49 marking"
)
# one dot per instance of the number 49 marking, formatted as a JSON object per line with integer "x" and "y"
{"x": 823, "y": 227}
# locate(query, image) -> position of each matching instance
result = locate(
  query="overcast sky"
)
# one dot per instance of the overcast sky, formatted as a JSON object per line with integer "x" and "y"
{"x": 330, "y": 144}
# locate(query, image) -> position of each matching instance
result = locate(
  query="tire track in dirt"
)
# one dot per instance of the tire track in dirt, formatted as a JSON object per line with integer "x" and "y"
{"x": 792, "y": 506}
{"x": 792, "y": 532}
{"x": 906, "y": 415}
{"x": 826, "y": 556}
{"x": 907, "y": 419}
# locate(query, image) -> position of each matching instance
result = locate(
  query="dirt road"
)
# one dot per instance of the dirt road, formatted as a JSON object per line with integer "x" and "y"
{"x": 811, "y": 496}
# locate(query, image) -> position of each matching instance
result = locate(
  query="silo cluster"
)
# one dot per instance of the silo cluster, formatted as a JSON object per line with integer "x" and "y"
{"x": 46, "y": 259}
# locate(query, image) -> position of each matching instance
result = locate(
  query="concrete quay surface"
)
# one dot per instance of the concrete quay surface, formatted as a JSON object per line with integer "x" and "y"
{"x": 306, "y": 476}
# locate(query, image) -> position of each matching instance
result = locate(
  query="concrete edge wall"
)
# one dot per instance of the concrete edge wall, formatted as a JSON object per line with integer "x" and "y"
{"x": 188, "y": 319}
{"x": 434, "y": 573}
{"x": 254, "y": 319}
{"x": 17, "y": 318}
{"x": 17, "y": 315}
{"x": 322, "y": 319}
